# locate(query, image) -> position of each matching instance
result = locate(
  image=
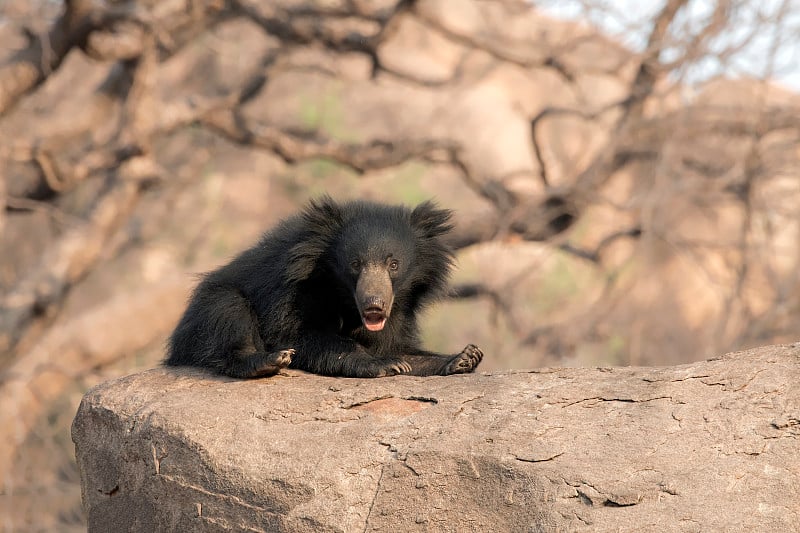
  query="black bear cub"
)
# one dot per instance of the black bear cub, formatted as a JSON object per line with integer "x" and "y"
{"x": 334, "y": 290}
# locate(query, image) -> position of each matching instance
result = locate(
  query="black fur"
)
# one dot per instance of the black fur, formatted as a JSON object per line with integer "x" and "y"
{"x": 304, "y": 296}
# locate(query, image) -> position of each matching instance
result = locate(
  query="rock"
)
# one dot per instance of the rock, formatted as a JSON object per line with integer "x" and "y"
{"x": 710, "y": 446}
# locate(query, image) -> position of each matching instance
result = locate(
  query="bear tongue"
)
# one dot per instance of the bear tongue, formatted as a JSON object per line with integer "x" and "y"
{"x": 374, "y": 321}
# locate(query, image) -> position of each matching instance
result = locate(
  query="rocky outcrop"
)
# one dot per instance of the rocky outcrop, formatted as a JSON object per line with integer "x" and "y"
{"x": 710, "y": 446}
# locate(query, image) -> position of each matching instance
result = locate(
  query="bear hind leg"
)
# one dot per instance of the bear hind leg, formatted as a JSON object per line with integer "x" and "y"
{"x": 258, "y": 364}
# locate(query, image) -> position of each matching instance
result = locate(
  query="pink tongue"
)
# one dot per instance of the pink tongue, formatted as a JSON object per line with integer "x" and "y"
{"x": 374, "y": 325}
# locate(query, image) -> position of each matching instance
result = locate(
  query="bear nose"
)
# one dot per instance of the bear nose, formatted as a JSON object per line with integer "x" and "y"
{"x": 374, "y": 302}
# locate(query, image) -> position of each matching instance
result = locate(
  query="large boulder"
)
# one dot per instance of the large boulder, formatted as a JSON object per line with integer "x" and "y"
{"x": 709, "y": 446}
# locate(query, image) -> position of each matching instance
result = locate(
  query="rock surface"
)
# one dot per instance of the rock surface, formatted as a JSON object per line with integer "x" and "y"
{"x": 710, "y": 446}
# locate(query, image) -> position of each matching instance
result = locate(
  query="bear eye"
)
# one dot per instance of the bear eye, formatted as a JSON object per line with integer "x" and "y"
{"x": 394, "y": 264}
{"x": 355, "y": 265}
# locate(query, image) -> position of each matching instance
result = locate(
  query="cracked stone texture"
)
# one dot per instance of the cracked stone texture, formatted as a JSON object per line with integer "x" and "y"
{"x": 709, "y": 446}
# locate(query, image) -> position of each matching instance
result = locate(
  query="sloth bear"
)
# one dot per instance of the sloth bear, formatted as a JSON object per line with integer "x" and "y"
{"x": 334, "y": 290}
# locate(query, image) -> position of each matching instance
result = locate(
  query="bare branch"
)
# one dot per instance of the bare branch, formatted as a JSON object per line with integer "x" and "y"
{"x": 63, "y": 265}
{"x": 31, "y": 66}
{"x": 595, "y": 256}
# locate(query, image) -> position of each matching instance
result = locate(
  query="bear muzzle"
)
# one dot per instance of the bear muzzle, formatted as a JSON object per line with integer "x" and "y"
{"x": 374, "y": 296}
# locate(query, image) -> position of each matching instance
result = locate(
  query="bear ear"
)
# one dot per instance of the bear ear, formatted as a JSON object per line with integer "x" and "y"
{"x": 303, "y": 259}
{"x": 323, "y": 215}
{"x": 431, "y": 221}
{"x": 322, "y": 219}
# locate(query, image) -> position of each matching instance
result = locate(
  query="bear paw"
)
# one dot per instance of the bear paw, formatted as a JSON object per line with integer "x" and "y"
{"x": 466, "y": 361}
{"x": 274, "y": 362}
{"x": 283, "y": 358}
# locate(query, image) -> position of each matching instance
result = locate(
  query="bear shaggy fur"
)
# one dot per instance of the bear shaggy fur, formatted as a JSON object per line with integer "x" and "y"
{"x": 334, "y": 290}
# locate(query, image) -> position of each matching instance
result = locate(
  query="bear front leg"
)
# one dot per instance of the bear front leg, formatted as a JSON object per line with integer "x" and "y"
{"x": 380, "y": 368}
{"x": 357, "y": 365}
{"x": 331, "y": 355}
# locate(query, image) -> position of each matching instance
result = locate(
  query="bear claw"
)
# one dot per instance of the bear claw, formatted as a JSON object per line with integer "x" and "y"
{"x": 394, "y": 367}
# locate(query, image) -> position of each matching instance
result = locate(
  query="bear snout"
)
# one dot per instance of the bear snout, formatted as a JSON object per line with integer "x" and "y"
{"x": 374, "y": 303}
{"x": 374, "y": 297}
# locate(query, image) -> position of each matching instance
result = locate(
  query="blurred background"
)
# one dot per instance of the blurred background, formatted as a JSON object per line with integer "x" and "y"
{"x": 626, "y": 179}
